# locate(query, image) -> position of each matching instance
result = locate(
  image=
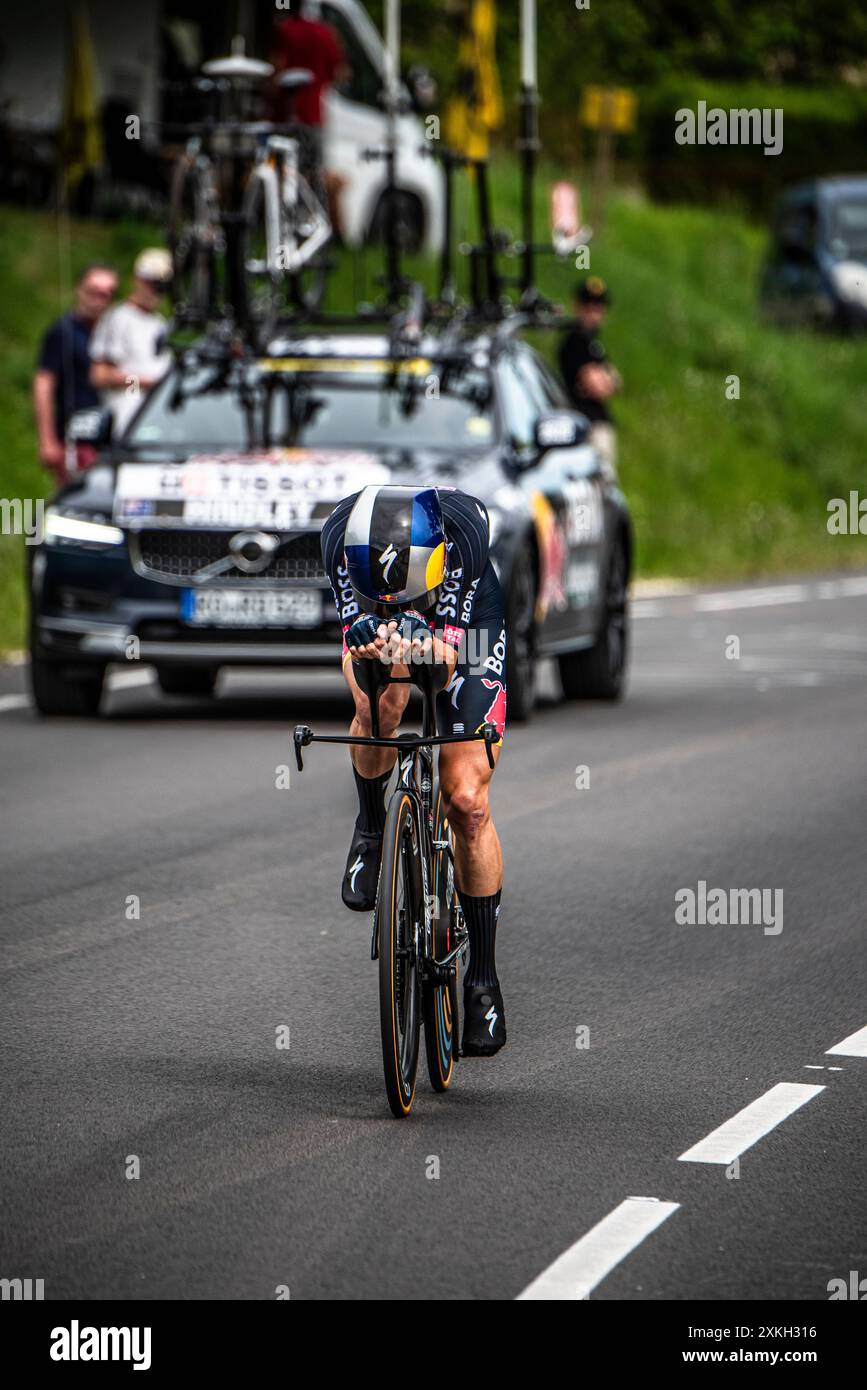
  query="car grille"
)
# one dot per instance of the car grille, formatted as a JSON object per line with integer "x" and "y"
{"x": 178, "y": 556}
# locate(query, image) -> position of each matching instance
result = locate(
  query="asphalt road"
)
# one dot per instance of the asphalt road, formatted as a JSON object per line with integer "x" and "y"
{"x": 154, "y": 1038}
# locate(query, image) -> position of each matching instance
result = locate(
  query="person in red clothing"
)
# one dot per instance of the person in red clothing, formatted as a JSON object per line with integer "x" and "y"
{"x": 304, "y": 40}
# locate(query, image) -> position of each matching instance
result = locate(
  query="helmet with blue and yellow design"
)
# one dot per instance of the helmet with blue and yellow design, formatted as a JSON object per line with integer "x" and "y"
{"x": 395, "y": 547}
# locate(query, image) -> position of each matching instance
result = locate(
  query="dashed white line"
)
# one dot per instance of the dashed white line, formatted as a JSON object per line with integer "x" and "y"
{"x": 751, "y": 1124}
{"x": 13, "y": 702}
{"x": 586, "y": 1263}
{"x": 768, "y": 596}
{"x": 751, "y": 598}
{"x": 853, "y": 1046}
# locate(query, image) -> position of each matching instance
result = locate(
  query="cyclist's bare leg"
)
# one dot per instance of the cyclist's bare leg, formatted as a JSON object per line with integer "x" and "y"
{"x": 464, "y": 779}
{"x": 375, "y": 762}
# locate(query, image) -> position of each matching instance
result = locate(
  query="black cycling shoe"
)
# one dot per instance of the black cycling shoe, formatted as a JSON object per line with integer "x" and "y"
{"x": 360, "y": 878}
{"x": 484, "y": 1021}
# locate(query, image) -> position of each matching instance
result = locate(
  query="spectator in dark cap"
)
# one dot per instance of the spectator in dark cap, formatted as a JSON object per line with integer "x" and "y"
{"x": 589, "y": 377}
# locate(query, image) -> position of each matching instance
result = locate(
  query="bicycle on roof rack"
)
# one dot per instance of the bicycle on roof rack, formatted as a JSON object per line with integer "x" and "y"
{"x": 246, "y": 228}
{"x": 419, "y": 935}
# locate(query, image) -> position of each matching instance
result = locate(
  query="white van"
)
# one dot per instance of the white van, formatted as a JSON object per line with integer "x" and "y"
{"x": 355, "y": 120}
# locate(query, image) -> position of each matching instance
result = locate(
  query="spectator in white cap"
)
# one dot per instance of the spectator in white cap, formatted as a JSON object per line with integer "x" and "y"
{"x": 126, "y": 350}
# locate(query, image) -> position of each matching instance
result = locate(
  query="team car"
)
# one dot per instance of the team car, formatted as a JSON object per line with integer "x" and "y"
{"x": 192, "y": 542}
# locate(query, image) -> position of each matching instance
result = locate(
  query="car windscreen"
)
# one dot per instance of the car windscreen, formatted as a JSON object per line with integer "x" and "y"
{"x": 849, "y": 230}
{"x": 403, "y": 407}
{"x": 195, "y": 409}
{"x": 381, "y": 410}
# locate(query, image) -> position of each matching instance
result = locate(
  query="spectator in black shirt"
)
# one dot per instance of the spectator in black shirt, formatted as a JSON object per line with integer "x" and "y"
{"x": 589, "y": 377}
{"x": 62, "y": 381}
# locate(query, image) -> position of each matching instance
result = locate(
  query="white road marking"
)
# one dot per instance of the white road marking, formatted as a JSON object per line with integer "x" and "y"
{"x": 751, "y": 1124}
{"x": 648, "y": 604}
{"x": 586, "y": 1263}
{"x": 13, "y": 702}
{"x": 847, "y": 588}
{"x": 853, "y": 1046}
{"x": 751, "y": 598}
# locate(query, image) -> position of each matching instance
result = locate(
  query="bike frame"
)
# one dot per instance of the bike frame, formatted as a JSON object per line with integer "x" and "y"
{"x": 373, "y": 677}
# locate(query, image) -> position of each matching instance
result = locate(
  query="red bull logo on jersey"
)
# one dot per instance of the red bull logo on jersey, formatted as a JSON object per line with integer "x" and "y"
{"x": 496, "y": 711}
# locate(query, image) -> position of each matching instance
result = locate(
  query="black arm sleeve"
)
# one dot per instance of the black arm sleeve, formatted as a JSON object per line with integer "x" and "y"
{"x": 333, "y": 559}
{"x": 468, "y": 530}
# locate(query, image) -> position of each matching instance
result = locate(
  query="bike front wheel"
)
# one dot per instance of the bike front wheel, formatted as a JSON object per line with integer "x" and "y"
{"x": 441, "y": 1000}
{"x": 399, "y": 924}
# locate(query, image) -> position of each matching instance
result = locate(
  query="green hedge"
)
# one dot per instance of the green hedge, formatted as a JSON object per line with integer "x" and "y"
{"x": 824, "y": 132}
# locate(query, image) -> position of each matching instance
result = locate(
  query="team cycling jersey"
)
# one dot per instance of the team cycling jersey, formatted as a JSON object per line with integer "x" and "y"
{"x": 469, "y": 614}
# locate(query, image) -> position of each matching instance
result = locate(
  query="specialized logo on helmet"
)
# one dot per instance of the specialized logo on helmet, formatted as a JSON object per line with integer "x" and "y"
{"x": 395, "y": 545}
{"x": 387, "y": 559}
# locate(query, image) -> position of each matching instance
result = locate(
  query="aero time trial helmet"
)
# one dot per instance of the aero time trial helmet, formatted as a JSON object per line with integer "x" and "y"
{"x": 395, "y": 546}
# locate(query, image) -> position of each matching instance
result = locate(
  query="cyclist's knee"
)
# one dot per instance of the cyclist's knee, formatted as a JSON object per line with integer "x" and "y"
{"x": 391, "y": 707}
{"x": 466, "y": 805}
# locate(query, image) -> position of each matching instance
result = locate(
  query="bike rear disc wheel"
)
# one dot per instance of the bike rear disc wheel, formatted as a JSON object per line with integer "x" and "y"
{"x": 441, "y": 1000}
{"x": 399, "y": 920}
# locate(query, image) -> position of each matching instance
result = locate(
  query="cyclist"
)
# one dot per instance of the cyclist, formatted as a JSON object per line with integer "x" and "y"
{"x": 412, "y": 579}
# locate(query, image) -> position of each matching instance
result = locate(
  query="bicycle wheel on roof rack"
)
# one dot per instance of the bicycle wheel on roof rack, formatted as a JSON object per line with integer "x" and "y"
{"x": 192, "y": 242}
{"x": 257, "y": 288}
{"x": 399, "y": 924}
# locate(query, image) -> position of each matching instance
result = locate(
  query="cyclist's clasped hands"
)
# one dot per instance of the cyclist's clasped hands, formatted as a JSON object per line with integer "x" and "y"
{"x": 398, "y": 641}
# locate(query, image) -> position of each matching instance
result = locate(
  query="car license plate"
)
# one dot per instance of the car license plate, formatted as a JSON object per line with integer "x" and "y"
{"x": 252, "y": 608}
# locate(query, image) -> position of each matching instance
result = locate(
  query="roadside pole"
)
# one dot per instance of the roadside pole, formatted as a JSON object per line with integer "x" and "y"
{"x": 528, "y": 142}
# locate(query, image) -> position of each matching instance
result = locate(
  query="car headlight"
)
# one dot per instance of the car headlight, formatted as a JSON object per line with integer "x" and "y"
{"x": 60, "y": 526}
{"x": 850, "y": 281}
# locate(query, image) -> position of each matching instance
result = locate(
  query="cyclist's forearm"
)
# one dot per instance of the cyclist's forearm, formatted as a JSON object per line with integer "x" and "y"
{"x": 446, "y": 657}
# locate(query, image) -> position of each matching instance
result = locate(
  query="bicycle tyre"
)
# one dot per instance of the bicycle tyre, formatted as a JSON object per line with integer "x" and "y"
{"x": 193, "y": 264}
{"x": 399, "y": 910}
{"x": 440, "y": 1002}
{"x": 256, "y": 291}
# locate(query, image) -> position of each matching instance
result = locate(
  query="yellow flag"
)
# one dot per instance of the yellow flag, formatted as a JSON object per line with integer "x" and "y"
{"x": 477, "y": 107}
{"x": 81, "y": 147}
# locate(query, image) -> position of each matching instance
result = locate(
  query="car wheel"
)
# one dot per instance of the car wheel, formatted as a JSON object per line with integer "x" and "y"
{"x": 55, "y": 693}
{"x": 190, "y": 680}
{"x": 521, "y": 629}
{"x": 599, "y": 672}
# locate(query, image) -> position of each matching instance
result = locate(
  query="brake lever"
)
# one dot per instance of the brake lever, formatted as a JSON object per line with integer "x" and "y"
{"x": 302, "y": 737}
{"x": 491, "y": 736}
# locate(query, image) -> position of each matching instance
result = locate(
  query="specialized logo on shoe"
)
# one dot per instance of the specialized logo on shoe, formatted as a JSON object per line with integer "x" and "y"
{"x": 492, "y": 1015}
{"x": 496, "y": 711}
{"x": 355, "y": 871}
{"x": 387, "y": 559}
